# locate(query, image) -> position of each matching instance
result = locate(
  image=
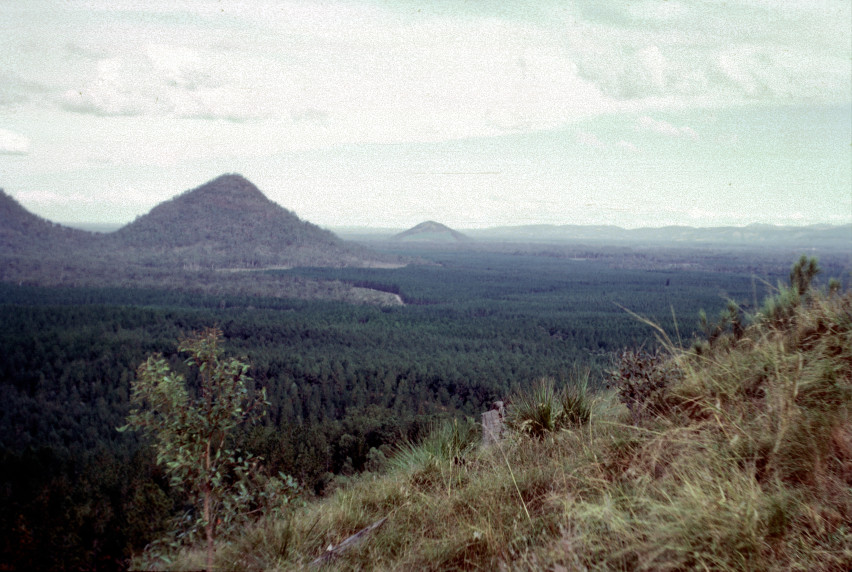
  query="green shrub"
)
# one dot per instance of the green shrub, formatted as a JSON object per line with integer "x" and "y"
{"x": 642, "y": 380}
{"x": 193, "y": 439}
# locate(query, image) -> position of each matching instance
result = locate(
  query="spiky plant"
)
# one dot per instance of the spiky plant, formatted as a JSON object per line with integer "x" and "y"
{"x": 803, "y": 273}
{"x": 535, "y": 412}
{"x": 446, "y": 444}
{"x": 576, "y": 407}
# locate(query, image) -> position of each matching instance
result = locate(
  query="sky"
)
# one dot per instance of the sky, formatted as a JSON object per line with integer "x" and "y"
{"x": 473, "y": 113}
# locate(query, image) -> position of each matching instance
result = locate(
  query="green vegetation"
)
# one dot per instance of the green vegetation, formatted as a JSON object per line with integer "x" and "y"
{"x": 348, "y": 386}
{"x": 644, "y": 380}
{"x": 193, "y": 435}
{"x": 744, "y": 462}
{"x": 542, "y": 410}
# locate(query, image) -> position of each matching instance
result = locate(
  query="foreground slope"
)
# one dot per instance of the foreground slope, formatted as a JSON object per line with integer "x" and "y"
{"x": 734, "y": 455}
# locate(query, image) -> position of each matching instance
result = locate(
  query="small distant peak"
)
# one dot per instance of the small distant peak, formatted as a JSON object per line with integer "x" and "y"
{"x": 432, "y": 231}
{"x": 431, "y": 225}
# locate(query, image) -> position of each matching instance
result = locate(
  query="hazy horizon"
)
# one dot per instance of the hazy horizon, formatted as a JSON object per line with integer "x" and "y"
{"x": 371, "y": 113}
{"x": 112, "y": 226}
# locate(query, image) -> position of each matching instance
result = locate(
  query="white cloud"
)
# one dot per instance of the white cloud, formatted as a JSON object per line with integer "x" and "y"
{"x": 110, "y": 93}
{"x": 43, "y": 198}
{"x": 12, "y": 143}
{"x": 628, "y": 146}
{"x": 368, "y": 72}
{"x": 588, "y": 139}
{"x": 174, "y": 80}
{"x": 665, "y": 128}
{"x": 194, "y": 89}
{"x": 693, "y": 55}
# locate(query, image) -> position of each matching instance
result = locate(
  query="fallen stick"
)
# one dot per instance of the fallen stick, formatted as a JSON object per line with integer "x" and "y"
{"x": 335, "y": 551}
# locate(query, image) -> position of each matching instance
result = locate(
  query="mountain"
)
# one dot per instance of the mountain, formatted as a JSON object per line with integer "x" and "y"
{"x": 23, "y": 232}
{"x": 431, "y": 231}
{"x": 199, "y": 241}
{"x": 229, "y": 223}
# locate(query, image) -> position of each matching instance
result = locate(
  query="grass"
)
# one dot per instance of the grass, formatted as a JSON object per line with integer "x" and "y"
{"x": 747, "y": 467}
{"x": 543, "y": 410}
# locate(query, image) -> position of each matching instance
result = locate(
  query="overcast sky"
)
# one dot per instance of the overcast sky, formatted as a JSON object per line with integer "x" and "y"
{"x": 471, "y": 113}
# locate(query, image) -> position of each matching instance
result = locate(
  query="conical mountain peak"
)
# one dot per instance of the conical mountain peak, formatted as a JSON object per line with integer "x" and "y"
{"x": 431, "y": 231}
{"x": 229, "y": 223}
{"x": 231, "y": 189}
{"x": 228, "y": 209}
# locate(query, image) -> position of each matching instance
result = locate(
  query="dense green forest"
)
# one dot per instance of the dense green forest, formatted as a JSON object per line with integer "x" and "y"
{"x": 346, "y": 382}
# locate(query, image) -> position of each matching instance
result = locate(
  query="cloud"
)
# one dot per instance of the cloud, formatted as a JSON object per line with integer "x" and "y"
{"x": 171, "y": 79}
{"x": 319, "y": 74}
{"x": 50, "y": 198}
{"x": 12, "y": 143}
{"x": 16, "y": 91}
{"x": 665, "y": 128}
{"x": 740, "y": 52}
{"x": 588, "y": 139}
{"x": 628, "y": 146}
{"x": 110, "y": 93}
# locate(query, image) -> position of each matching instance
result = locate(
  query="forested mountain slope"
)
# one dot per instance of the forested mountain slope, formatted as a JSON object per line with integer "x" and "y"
{"x": 229, "y": 223}
{"x": 346, "y": 383}
{"x": 22, "y": 232}
{"x": 202, "y": 241}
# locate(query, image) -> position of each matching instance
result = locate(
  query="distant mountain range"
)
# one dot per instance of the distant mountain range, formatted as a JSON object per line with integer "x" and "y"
{"x": 757, "y": 235}
{"x": 207, "y": 237}
{"x": 754, "y": 235}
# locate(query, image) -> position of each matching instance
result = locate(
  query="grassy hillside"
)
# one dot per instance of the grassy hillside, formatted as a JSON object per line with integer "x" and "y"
{"x": 735, "y": 454}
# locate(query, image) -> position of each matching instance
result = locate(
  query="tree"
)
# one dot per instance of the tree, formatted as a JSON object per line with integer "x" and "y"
{"x": 192, "y": 432}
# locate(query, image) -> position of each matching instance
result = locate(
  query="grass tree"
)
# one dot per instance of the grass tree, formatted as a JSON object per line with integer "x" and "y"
{"x": 192, "y": 431}
{"x": 802, "y": 274}
{"x": 542, "y": 410}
